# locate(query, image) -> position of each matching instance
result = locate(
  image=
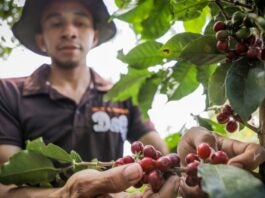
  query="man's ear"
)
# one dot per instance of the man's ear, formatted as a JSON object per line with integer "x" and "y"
{"x": 40, "y": 42}
{"x": 95, "y": 40}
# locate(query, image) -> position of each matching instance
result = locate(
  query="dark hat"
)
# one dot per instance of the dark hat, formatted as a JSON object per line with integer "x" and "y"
{"x": 29, "y": 24}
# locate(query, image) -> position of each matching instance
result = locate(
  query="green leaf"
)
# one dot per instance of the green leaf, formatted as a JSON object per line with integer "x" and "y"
{"x": 122, "y": 3}
{"x": 174, "y": 46}
{"x": 147, "y": 92}
{"x": 128, "y": 86}
{"x": 142, "y": 56}
{"x": 187, "y": 9}
{"x": 136, "y": 14}
{"x": 196, "y": 25}
{"x": 27, "y": 167}
{"x": 172, "y": 141}
{"x": 211, "y": 125}
{"x": 52, "y": 151}
{"x": 159, "y": 20}
{"x": 202, "y": 51}
{"x": 184, "y": 75}
{"x": 216, "y": 89}
{"x": 77, "y": 158}
{"x": 204, "y": 74}
{"x": 245, "y": 86}
{"x": 223, "y": 181}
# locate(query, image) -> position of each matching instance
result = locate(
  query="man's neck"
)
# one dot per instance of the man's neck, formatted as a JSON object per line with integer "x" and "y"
{"x": 70, "y": 82}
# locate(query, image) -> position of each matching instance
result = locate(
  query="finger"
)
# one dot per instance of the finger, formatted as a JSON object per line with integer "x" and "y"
{"x": 250, "y": 159}
{"x": 120, "y": 178}
{"x": 190, "y": 192}
{"x": 189, "y": 144}
{"x": 169, "y": 189}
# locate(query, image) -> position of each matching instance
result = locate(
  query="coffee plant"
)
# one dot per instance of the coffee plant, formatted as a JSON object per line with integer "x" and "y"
{"x": 42, "y": 165}
{"x": 222, "y": 49}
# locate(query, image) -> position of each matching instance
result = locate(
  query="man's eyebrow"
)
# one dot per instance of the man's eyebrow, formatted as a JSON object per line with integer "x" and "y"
{"x": 51, "y": 15}
{"x": 55, "y": 14}
{"x": 83, "y": 14}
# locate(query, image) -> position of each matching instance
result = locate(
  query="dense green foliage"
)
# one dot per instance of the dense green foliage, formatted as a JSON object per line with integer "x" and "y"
{"x": 188, "y": 59}
{"x": 10, "y": 11}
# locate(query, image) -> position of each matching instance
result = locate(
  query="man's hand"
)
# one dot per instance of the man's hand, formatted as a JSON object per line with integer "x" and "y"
{"x": 244, "y": 155}
{"x": 93, "y": 183}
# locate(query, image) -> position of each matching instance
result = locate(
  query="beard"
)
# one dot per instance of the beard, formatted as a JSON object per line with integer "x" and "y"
{"x": 67, "y": 64}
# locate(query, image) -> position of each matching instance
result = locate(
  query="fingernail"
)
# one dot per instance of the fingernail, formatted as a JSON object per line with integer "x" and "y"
{"x": 133, "y": 172}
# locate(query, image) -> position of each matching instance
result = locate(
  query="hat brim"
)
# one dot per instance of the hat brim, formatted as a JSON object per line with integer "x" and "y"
{"x": 26, "y": 28}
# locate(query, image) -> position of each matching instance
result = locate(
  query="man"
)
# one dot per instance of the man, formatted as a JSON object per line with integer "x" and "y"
{"x": 63, "y": 102}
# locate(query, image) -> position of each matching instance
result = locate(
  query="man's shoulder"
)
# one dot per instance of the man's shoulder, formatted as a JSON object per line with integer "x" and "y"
{"x": 100, "y": 83}
{"x": 12, "y": 84}
{"x": 15, "y": 80}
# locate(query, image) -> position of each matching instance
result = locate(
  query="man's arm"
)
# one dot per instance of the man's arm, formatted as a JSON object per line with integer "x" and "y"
{"x": 86, "y": 183}
{"x": 153, "y": 138}
{"x": 10, "y": 191}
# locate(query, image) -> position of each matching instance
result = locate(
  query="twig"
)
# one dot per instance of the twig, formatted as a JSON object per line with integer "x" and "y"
{"x": 253, "y": 128}
{"x": 97, "y": 164}
{"x": 222, "y": 9}
{"x": 237, "y": 3}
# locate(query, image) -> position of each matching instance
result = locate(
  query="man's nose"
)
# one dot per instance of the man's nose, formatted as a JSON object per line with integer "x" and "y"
{"x": 69, "y": 32}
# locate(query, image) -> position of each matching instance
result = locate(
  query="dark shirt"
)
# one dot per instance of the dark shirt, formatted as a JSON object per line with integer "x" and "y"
{"x": 31, "y": 108}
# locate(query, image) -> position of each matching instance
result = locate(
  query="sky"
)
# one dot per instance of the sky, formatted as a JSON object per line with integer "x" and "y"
{"x": 168, "y": 117}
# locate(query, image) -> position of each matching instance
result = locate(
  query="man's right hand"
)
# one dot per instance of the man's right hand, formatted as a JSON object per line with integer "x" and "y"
{"x": 93, "y": 183}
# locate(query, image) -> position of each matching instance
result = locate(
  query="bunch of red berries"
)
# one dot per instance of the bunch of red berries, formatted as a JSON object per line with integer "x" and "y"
{"x": 157, "y": 168}
{"x": 205, "y": 154}
{"x": 239, "y": 37}
{"x": 228, "y": 117}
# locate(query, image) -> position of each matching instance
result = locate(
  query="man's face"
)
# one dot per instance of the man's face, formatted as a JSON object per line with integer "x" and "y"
{"x": 67, "y": 33}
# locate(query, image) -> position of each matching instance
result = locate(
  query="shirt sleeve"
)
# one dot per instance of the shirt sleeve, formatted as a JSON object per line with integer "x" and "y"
{"x": 10, "y": 128}
{"x": 137, "y": 126}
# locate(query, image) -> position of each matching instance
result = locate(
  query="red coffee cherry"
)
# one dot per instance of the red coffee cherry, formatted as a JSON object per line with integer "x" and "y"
{"x": 204, "y": 151}
{"x": 219, "y": 25}
{"x": 222, "y": 45}
{"x": 231, "y": 126}
{"x": 137, "y": 147}
{"x": 191, "y": 157}
{"x": 175, "y": 159}
{"x": 156, "y": 180}
{"x": 119, "y": 162}
{"x": 163, "y": 163}
{"x": 221, "y": 35}
{"x": 219, "y": 157}
{"x": 222, "y": 118}
{"x": 150, "y": 151}
{"x": 148, "y": 164}
{"x": 128, "y": 159}
{"x": 227, "y": 109}
{"x": 192, "y": 168}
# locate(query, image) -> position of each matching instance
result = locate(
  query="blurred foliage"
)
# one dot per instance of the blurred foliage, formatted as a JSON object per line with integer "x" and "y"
{"x": 10, "y": 11}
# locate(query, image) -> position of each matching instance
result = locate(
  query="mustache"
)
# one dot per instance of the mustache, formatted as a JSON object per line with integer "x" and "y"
{"x": 69, "y": 46}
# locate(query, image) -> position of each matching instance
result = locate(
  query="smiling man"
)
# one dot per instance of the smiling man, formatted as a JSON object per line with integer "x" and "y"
{"x": 63, "y": 102}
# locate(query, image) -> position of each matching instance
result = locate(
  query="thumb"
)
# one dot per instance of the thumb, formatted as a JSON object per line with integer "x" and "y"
{"x": 120, "y": 178}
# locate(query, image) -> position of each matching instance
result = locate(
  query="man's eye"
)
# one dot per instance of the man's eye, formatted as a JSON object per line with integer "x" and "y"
{"x": 80, "y": 24}
{"x": 56, "y": 25}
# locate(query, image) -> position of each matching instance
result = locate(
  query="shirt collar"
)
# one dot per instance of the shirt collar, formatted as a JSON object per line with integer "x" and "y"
{"x": 38, "y": 83}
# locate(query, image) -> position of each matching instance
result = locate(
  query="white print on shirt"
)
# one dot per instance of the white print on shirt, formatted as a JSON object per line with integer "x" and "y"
{"x": 117, "y": 124}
